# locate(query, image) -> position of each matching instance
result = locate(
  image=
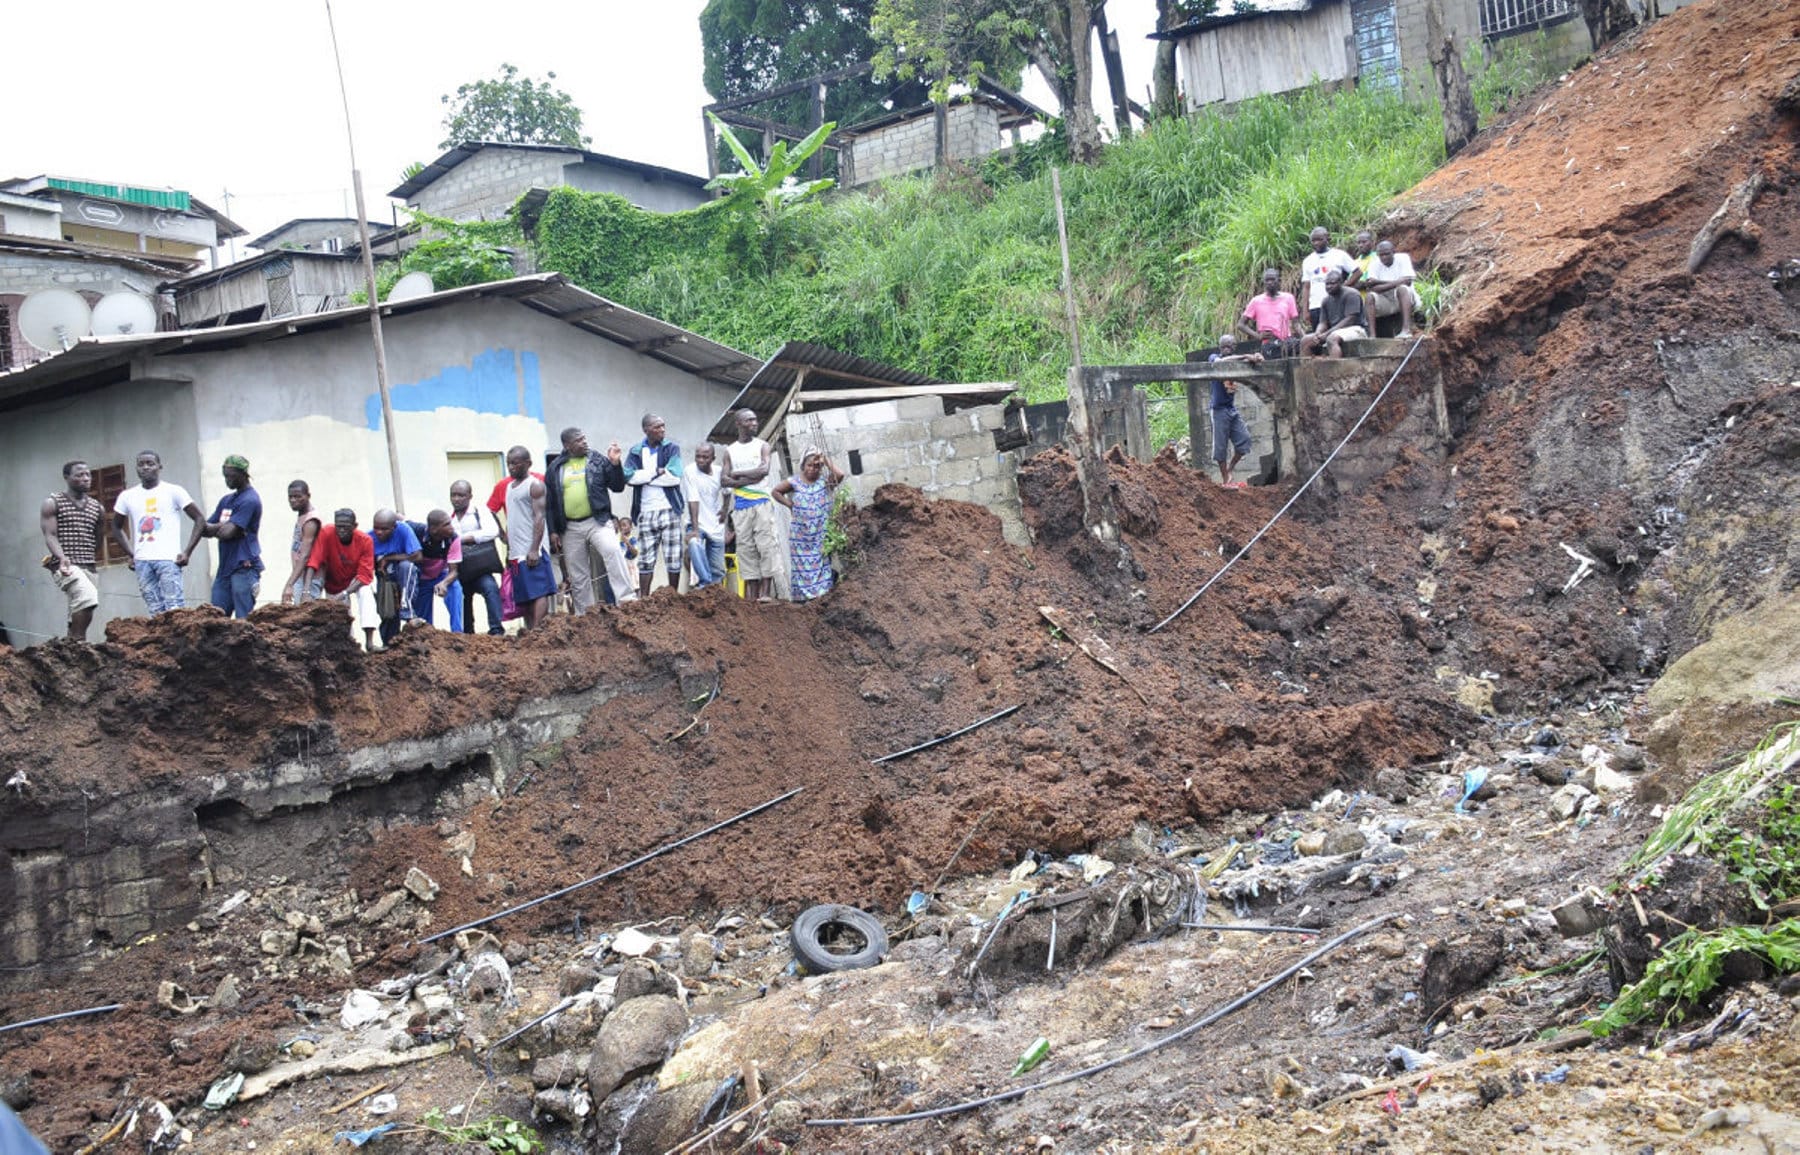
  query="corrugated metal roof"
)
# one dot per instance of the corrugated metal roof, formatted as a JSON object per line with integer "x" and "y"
{"x": 95, "y": 360}
{"x": 799, "y": 369}
{"x": 438, "y": 168}
{"x": 1262, "y": 9}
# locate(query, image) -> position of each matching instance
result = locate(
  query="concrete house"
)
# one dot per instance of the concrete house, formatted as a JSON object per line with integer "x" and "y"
{"x": 473, "y": 372}
{"x": 1282, "y": 45}
{"x": 907, "y": 140}
{"x": 481, "y": 180}
{"x": 95, "y": 239}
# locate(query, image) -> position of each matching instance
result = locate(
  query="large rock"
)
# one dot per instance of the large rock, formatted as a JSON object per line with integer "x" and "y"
{"x": 642, "y": 977}
{"x": 637, "y": 1036}
{"x": 1456, "y": 966}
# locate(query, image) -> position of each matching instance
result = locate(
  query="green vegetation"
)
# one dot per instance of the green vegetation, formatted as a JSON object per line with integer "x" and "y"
{"x": 958, "y": 274}
{"x": 1689, "y": 968}
{"x": 1738, "y": 818}
{"x": 514, "y": 109}
{"x": 496, "y": 1133}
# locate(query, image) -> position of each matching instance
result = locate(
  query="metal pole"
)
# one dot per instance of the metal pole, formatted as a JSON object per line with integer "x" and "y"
{"x": 362, "y": 229}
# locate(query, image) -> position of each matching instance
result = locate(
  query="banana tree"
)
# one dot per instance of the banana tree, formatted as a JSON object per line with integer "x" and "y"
{"x": 764, "y": 188}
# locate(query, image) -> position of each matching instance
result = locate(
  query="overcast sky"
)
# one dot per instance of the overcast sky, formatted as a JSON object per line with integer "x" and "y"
{"x": 219, "y": 97}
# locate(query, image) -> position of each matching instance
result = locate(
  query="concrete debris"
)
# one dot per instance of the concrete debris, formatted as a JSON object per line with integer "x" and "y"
{"x": 1578, "y": 916}
{"x": 232, "y": 903}
{"x": 360, "y": 1008}
{"x": 278, "y": 942}
{"x": 383, "y": 907}
{"x": 420, "y": 885}
{"x": 564, "y": 1104}
{"x": 1570, "y": 800}
{"x": 171, "y": 997}
{"x": 634, "y": 943}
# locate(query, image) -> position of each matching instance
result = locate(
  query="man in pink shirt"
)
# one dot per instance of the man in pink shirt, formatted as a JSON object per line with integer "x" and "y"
{"x": 1270, "y": 315}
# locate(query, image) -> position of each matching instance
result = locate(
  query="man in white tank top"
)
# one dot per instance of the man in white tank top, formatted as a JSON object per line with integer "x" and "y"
{"x": 746, "y": 475}
{"x": 528, "y": 566}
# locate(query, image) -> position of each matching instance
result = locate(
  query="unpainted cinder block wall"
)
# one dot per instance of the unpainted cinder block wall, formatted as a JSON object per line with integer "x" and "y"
{"x": 950, "y": 457}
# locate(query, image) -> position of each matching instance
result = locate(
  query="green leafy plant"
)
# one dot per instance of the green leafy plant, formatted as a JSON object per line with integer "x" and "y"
{"x": 496, "y": 1133}
{"x": 837, "y": 537}
{"x": 1690, "y": 966}
{"x": 453, "y": 254}
{"x": 764, "y": 187}
{"x": 1763, "y": 853}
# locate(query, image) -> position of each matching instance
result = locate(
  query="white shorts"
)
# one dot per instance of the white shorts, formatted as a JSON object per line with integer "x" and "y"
{"x": 78, "y": 586}
{"x": 362, "y": 607}
{"x": 1388, "y": 304}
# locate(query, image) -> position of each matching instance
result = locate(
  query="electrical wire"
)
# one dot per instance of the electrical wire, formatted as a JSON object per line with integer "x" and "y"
{"x": 1226, "y": 568}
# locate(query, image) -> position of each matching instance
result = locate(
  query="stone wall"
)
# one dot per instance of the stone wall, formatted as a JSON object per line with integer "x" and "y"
{"x": 485, "y": 186}
{"x": 909, "y": 145}
{"x": 950, "y": 457}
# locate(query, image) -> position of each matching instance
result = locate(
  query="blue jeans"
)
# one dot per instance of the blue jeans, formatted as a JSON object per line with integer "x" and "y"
{"x": 160, "y": 583}
{"x": 488, "y": 586}
{"x": 235, "y": 592}
{"x": 425, "y": 603}
{"x": 709, "y": 552}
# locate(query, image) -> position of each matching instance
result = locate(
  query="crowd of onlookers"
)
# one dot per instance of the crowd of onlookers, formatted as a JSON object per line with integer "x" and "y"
{"x": 1347, "y": 296}
{"x": 538, "y": 539}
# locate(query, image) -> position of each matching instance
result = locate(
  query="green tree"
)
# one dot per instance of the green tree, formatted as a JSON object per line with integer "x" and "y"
{"x": 513, "y": 109}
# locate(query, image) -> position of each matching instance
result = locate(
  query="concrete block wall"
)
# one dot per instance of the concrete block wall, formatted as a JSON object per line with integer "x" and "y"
{"x": 912, "y": 441}
{"x": 1259, "y": 418}
{"x": 910, "y": 145}
{"x": 1568, "y": 40}
{"x": 485, "y": 186}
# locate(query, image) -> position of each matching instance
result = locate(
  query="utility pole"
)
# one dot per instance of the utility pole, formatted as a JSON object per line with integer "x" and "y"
{"x": 368, "y": 260}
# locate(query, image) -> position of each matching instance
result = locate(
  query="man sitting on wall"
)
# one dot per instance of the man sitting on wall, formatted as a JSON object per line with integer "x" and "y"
{"x": 1340, "y": 319}
{"x": 1388, "y": 287}
{"x": 1270, "y": 316}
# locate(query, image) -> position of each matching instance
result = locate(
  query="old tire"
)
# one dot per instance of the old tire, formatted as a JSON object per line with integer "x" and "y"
{"x": 831, "y": 921}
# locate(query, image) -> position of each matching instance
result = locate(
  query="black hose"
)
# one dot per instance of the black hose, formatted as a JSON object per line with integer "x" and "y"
{"x": 64, "y": 1015}
{"x": 947, "y": 737}
{"x": 638, "y": 861}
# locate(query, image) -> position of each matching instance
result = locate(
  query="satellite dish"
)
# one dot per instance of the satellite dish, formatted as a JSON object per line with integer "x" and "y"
{"x": 118, "y": 313}
{"x": 54, "y": 319}
{"x": 410, "y": 286}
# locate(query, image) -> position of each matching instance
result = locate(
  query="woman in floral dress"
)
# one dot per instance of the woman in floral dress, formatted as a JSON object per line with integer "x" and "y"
{"x": 809, "y": 497}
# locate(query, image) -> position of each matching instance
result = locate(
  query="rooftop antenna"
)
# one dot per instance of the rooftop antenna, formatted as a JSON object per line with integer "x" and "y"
{"x": 54, "y": 319}
{"x": 368, "y": 256}
{"x": 120, "y": 313}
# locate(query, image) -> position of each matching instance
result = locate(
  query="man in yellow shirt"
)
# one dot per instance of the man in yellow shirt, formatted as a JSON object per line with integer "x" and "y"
{"x": 578, "y": 508}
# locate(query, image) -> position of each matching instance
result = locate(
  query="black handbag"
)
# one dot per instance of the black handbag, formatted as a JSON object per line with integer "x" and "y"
{"x": 387, "y": 597}
{"x": 480, "y": 560}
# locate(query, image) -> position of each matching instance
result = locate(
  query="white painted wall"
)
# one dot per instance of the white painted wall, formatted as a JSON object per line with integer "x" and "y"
{"x": 104, "y": 427}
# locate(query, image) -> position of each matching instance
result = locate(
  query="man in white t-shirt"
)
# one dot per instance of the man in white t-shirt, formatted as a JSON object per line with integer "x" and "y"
{"x": 147, "y": 525}
{"x": 752, "y": 509}
{"x": 1387, "y": 285}
{"x": 706, "y": 528}
{"x": 1320, "y": 261}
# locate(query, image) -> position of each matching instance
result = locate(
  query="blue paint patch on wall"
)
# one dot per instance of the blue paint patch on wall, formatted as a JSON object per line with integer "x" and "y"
{"x": 488, "y": 384}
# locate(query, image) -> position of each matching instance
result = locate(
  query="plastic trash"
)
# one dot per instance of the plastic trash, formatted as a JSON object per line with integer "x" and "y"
{"x": 1410, "y": 1059}
{"x": 224, "y": 1093}
{"x": 916, "y": 903}
{"x": 384, "y": 1104}
{"x": 1555, "y": 1075}
{"x": 1036, "y": 1053}
{"x": 360, "y": 1138}
{"x": 1473, "y": 780}
{"x": 1093, "y": 867}
{"x": 360, "y": 1007}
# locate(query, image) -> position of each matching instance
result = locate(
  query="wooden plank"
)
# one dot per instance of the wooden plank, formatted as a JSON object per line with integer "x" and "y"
{"x": 1091, "y": 643}
{"x": 839, "y": 375}
{"x": 1185, "y": 371}
{"x": 995, "y": 388}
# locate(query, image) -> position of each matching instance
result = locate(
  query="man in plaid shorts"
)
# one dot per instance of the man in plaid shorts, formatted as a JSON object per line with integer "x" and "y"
{"x": 658, "y": 509}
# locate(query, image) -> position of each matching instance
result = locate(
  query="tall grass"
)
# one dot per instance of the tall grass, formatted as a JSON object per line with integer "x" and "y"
{"x": 959, "y": 277}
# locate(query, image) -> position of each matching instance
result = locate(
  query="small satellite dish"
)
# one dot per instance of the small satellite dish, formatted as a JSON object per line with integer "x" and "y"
{"x": 410, "y": 286}
{"x": 118, "y": 313}
{"x": 54, "y": 319}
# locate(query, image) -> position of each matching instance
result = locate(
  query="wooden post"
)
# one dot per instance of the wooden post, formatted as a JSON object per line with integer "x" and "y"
{"x": 712, "y": 147}
{"x": 815, "y": 165}
{"x": 1115, "y": 72}
{"x": 1090, "y": 467}
{"x": 940, "y": 118}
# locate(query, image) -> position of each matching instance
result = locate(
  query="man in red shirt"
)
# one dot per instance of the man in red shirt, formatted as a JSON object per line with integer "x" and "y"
{"x": 344, "y": 561}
